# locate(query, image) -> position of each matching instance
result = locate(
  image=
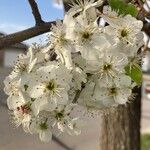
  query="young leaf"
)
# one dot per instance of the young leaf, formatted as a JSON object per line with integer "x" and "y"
{"x": 132, "y": 10}
{"x": 123, "y": 8}
{"x": 135, "y": 73}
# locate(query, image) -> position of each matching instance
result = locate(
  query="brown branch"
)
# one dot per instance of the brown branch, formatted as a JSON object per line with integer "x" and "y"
{"x": 35, "y": 12}
{"x": 17, "y": 37}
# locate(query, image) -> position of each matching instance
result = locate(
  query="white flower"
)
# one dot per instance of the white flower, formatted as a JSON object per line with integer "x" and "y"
{"x": 118, "y": 92}
{"x": 37, "y": 52}
{"x": 87, "y": 7}
{"x": 88, "y": 99}
{"x": 126, "y": 30}
{"x": 21, "y": 75}
{"x": 11, "y": 86}
{"x": 15, "y": 101}
{"x": 60, "y": 42}
{"x": 50, "y": 88}
{"x": 15, "y": 94}
{"x": 79, "y": 77}
{"x": 21, "y": 117}
{"x": 63, "y": 119}
{"x": 17, "y": 85}
{"x": 18, "y": 103}
{"x": 74, "y": 127}
{"x": 43, "y": 128}
{"x": 108, "y": 65}
{"x": 23, "y": 66}
{"x": 87, "y": 37}
{"x": 21, "y": 112}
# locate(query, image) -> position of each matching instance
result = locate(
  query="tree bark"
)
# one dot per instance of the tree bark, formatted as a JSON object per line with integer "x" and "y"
{"x": 35, "y": 12}
{"x": 120, "y": 128}
{"x": 7, "y": 40}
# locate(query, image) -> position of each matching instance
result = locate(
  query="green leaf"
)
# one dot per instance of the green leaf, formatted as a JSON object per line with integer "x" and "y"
{"x": 123, "y": 8}
{"x": 135, "y": 72}
{"x": 132, "y": 10}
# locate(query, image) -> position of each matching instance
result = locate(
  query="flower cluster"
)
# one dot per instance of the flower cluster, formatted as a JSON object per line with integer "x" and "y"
{"x": 83, "y": 63}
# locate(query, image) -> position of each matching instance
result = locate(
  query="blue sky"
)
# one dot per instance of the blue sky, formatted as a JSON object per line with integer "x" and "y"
{"x": 16, "y": 15}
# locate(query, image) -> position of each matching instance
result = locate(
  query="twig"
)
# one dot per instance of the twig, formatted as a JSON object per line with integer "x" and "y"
{"x": 76, "y": 96}
{"x": 35, "y": 12}
{"x": 7, "y": 40}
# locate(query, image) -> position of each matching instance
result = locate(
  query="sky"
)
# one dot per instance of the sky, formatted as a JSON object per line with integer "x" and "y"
{"x": 16, "y": 15}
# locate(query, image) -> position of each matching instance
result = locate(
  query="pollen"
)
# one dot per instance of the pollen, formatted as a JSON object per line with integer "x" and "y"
{"x": 51, "y": 85}
{"x": 107, "y": 67}
{"x": 124, "y": 33}
{"x": 86, "y": 35}
{"x": 59, "y": 115}
{"x": 43, "y": 126}
{"x": 113, "y": 91}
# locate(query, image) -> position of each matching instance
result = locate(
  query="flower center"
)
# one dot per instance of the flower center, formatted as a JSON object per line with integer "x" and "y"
{"x": 113, "y": 91}
{"x": 59, "y": 115}
{"x": 62, "y": 40}
{"x": 25, "y": 109}
{"x": 107, "y": 67}
{"x": 51, "y": 85}
{"x": 20, "y": 67}
{"x": 86, "y": 35}
{"x": 26, "y": 87}
{"x": 43, "y": 126}
{"x": 124, "y": 33}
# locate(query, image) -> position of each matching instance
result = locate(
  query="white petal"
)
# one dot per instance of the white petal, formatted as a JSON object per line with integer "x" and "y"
{"x": 31, "y": 65}
{"x": 108, "y": 101}
{"x": 15, "y": 101}
{"x": 50, "y": 106}
{"x": 36, "y": 90}
{"x": 38, "y": 104}
{"x": 123, "y": 80}
{"x": 123, "y": 96}
{"x": 69, "y": 108}
{"x": 45, "y": 136}
{"x": 61, "y": 97}
{"x": 34, "y": 127}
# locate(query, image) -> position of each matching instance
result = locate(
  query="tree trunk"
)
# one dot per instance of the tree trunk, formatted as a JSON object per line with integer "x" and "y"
{"x": 120, "y": 128}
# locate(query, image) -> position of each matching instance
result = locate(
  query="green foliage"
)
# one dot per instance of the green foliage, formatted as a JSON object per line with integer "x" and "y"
{"x": 145, "y": 144}
{"x": 132, "y": 10}
{"x": 123, "y": 8}
{"x": 135, "y": 72}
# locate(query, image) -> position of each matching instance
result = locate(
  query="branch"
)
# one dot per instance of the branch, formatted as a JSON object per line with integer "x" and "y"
{"x": 35, "y": 12}
{"x": 75, "y": 100}
{"x": 8, "y": 40}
